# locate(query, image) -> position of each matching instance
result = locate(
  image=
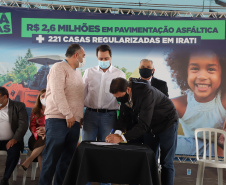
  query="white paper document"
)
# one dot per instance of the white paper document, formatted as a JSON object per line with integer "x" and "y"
{"x": 103, "y": 143}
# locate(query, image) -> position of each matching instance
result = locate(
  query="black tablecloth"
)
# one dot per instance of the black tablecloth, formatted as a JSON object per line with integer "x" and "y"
{"x": 120, "y": 164}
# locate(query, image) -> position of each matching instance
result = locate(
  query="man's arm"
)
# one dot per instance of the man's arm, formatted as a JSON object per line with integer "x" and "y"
{"x": 120, "y": 126}
{"x": 144, "y": 117}
{"x": 122, "y": 74}
{"x": 121, "y": 123}
{"x": 85, "y": 82}
{"x": 143, "y": 125}
{"x": 160, "y": 85}
{"x": 56, "y": 81}
{"x": 165, "y": 89}
{"x": 22, "y": 122}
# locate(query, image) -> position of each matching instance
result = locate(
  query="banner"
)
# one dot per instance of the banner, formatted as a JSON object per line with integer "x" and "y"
{"x": 188, "y": 53}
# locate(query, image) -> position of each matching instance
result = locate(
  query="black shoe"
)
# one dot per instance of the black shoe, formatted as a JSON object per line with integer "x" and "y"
{"x": 4, "y": 182}
{"x": 22, "y": 167}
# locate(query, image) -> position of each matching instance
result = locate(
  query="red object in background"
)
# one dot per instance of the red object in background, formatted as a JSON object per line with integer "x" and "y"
{"x": 23, "y": 94}
{"x": 27, "y": 92}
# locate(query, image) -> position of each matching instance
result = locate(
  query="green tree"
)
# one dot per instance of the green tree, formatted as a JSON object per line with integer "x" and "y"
{"x": 2, "y": 79}
{"x": 82, "y": 71}
{"x": 24, "y": 70}
{"x": 128, "y": 74}
{"x": 6, "y": 78}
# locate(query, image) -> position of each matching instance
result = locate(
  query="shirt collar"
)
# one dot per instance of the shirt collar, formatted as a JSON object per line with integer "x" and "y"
{"x": 7, "y": 105}
{"x": 67, "y": 63}
{"x": 150, "y": 79}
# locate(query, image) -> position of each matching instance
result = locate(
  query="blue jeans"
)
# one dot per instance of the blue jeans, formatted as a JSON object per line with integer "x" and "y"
{"x": 61, "y": 143}
{"x": 13, "y": 155}
{"x": 167, "y": 140}
{"x": 97, "y": 125}
{"x": 187, "y": 146}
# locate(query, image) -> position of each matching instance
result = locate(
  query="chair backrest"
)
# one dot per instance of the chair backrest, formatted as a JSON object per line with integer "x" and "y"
{"x": 210, "y": 139}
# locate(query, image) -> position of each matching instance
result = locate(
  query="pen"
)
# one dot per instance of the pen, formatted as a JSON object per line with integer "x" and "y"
{"x": 112, "y": 131}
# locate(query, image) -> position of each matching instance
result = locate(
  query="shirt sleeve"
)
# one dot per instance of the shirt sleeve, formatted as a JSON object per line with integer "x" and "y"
{"x": 123, "y": 122}
{"x": 85, "y": 82}
{"x": 57, "y": 80}
{"x": 33, "y": 125}
{"x": 122, "y": 74}
{"x": 165, "y": 89}
{"x": 22, "y": 122}
{"x": 144, "y": 118}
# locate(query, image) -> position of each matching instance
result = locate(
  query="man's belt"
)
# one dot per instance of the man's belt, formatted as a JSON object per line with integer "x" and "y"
{"x": 99, "y": 110}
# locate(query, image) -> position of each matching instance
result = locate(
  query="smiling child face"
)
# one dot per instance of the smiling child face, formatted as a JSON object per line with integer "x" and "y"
{"x": 204, "y": 76}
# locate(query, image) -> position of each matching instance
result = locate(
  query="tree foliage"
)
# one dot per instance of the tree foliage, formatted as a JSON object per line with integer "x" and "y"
{"x": 23, "y": 71}
{"x": 128, "y": 74}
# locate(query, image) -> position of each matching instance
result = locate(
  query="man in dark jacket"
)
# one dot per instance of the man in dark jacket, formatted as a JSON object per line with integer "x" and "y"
{"x": 146, "y": 112}
{"x": 147, "y": 70}
{"x": 13, "y": 126}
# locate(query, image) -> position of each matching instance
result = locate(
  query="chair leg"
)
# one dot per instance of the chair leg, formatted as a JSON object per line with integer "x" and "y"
{"x": 24, "y": 177}
{"x": 15, "y": 174}
{"x": 160, "y": 173}
{"x": 220, "y": 176}
{"x": 33, "y": 170}
{"x": 200, "y": 174}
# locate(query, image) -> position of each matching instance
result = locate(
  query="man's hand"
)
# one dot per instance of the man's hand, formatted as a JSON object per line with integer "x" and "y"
{"x": 81, "y": 122}
{"x": 70, "y": 122}
{"x": 10, "y": 143}
{"x": 114, "y": 138}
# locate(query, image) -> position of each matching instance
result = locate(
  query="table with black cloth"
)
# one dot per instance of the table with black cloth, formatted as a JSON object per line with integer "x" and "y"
{"x": 120, "y": 164}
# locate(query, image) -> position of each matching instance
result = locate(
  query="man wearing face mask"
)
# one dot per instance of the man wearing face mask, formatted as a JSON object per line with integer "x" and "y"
{"x": 63, "y": 112}
{"x": 13, "y": 126}
{"x": 101, "y": 106}
{"x": 146, "y": 111}
{"x": 146, "y": 70}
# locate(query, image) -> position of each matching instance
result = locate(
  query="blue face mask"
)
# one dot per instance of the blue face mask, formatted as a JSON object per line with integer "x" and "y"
{"x": 104, "y": 64}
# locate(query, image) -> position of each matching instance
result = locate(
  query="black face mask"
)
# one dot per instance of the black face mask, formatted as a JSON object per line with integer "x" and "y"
{"x": 123, "y": 99}
{"x": 145, "y": 72}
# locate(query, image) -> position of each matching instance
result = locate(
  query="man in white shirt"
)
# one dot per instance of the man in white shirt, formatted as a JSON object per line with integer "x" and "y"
{"x": 13, "y": 126}
{"x": 101, "y": 105}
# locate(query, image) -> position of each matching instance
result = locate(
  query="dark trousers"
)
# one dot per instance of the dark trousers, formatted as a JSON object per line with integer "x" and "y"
{"x": 13, "y": 155}
{"x": 61, "y": 143}
{"x": 167, "y": 141}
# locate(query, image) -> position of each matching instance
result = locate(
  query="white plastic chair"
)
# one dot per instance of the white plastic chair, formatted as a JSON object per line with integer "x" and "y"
{"x": 15, "y": 170}
{"x": 210, "y": 136}
{"x": 33, "y": 170}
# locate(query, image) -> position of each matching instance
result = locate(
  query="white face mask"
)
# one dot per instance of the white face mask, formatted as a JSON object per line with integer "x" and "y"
{"x": 43, "y": 102}
{"x": 81, "y": 64}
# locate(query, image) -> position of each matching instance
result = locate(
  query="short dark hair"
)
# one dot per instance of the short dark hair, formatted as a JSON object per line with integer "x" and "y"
{"x": 118, "y": 85}
{"x": 103, "y": 48}
{"x": 72, "y": 49}
{"x": 4, "y": 91}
